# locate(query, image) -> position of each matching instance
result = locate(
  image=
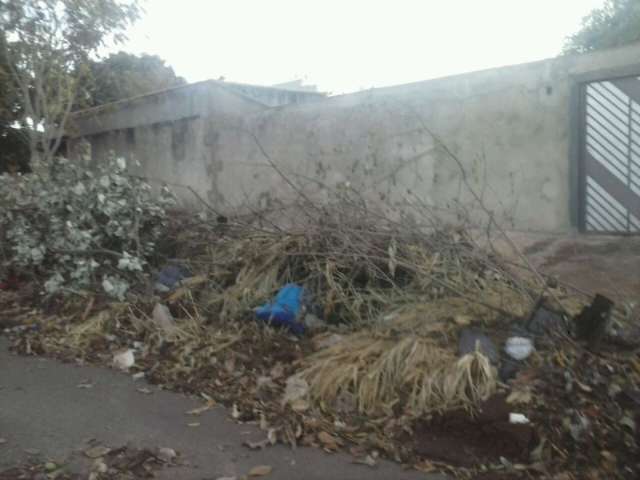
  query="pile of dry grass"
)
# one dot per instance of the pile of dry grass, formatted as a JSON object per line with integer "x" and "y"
{"x": 407, "y": 366}
{"x": 352, "y": 272}
{"x": 395, "y": 288}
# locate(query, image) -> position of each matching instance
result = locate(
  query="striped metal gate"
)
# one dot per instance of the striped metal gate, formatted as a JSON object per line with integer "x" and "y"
{"x": 611, "y": 156}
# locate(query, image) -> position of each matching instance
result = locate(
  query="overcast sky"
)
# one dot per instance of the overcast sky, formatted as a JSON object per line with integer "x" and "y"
{"x": 347, "y": 45}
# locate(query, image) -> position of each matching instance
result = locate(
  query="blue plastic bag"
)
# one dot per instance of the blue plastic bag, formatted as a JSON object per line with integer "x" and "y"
{"x": 285, "y": 309}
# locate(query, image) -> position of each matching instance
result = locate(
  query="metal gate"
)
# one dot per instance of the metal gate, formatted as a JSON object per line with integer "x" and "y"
{"x": 611, "y": 156}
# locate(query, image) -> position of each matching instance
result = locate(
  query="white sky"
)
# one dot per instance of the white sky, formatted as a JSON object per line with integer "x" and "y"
{"x": 347, "y": 45}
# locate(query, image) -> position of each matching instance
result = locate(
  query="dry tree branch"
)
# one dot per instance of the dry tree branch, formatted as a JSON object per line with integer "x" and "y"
{"x": 478, "y": 199}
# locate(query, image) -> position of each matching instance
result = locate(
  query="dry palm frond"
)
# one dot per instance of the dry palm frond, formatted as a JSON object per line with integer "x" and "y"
{"x": 381, "y": 371}
{"x": 460, "y": 384}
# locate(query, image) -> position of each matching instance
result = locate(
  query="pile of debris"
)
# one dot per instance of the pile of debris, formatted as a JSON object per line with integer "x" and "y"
{"x": 357, "y": 332}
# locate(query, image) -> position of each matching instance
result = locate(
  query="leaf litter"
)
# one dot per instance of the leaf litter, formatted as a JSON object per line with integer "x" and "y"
{"x": 107, "y": 464}
{"x": 383, "y": 374}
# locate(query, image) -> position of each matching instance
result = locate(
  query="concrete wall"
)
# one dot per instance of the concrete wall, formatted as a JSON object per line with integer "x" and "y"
{"x": 275, "y": 96}
{"x": 175, "y": 104}
{"x": 511, "y": 128}
{"x": 160, "y": 133}
{"x": 186, "y": 101}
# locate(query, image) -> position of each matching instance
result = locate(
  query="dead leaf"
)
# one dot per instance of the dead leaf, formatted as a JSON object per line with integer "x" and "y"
{"x": 368, "y": 460}
{"x": 97, "y": 452}
{"x": 99, "y": 466}
{"x": 277, "y": 371}
{"x": 308, "y": 440}
{"x": 264, "y": 423}
{"x": 608, "y": 456}
{"x": 271, "y": 436}
{"x": 583, "y": 387}
{"x": 299, "y": 405}
{"x": 328, "y": 441}
{"x": 257, "y": 445}
{"x": 462, "y": 320}
{"x": 425, "y": 467}
{"x": 260, "y": 471}
{"x": 199, "y": 410}
{"x": 519, "y": 396}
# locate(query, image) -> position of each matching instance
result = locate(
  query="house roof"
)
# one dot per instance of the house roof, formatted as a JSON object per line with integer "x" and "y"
{"x": 241, "y": 89}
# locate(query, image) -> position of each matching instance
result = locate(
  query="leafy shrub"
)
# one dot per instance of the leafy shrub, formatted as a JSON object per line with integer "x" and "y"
{"x": 81, "y": 229}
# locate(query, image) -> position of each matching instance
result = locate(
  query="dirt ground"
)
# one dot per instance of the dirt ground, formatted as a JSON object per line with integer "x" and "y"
{"x": 609, "y": 265}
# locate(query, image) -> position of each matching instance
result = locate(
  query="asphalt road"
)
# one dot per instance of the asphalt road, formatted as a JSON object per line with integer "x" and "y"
{"x": 44, "y": 414}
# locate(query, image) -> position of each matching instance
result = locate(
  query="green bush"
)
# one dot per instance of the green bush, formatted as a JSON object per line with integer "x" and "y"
{"x": 79, "y": 229}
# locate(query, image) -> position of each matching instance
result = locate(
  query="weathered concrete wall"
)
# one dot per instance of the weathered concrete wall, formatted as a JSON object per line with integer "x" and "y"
{"x": 184, "y": 102}
{"x": 163, "y": 135}
{"x": 274, "y": 96}
{"x": 510, "y": 128}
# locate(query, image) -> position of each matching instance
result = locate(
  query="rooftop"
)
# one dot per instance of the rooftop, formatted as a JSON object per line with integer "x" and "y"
{"x": 257, "y": 93}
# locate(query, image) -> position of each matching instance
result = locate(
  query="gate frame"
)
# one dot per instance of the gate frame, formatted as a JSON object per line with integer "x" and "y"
{"x": 577, "y": 120}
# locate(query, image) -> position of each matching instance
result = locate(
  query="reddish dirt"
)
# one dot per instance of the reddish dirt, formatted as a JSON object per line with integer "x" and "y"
{"x": 592, "y": 263}
{"x": 460, "y": 440}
